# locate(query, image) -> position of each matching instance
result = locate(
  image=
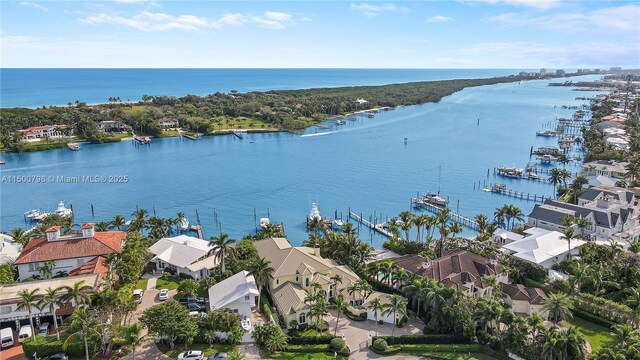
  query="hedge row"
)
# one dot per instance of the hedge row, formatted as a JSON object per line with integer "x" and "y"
{"x": 604, "y": 308}
{"x": 48, "y": 345}
{"x": 425, "y": 339}
{"x": 585, "y": 315}
{"x": 355, "y": 317}
{"x": 309, "y": 340}
{"x": 419, "y": 349}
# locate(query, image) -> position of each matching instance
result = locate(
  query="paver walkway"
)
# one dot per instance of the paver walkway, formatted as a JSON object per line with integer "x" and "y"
{"x": 148, "y": 350}
{"x": 151, "y": 283}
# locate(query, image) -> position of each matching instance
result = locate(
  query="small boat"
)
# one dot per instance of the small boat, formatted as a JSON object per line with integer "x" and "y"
{"x": 326, "y": 127}
{"x": 338, "y": 224}
{"x": 264, "y": 222}
{"x": 547, "y": 133}
{"x": 371, "y": 116}
{"x": 314, "y": 213}
{"x": 62, "y": 210}
{"x": 73, "y": 146}
{"x": 32, "y": 215}
{"x": 533, "y": 176}
{"x": 183, "y": 224}
{"x": 497, "y": 188}
{"x": 340, "y": 122}
{"x": 1, "y": 162}
{"x": 252, "y": 142}
{"x": 435, "y": 199}
{"x": 246, "y": 324}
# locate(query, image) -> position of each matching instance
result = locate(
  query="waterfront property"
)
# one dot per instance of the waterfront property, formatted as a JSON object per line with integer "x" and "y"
{"x": 604, "y": 172}
{"x": 10, "y": 299}
{"x": 168, "y": 123}
{"x": 297, "y": 269}
{"x": 67, "y": 252}
{"x": 36, "y": 133}
{"x": 523, "y": 300}
{"x": 542, "y": 247}
{"x": 238, "y": 293}
{"x": 184, "y": 255}
{"x": 113, "y": 126}
{"x": 9, "y": 249}
{"x": 611, "y": 210}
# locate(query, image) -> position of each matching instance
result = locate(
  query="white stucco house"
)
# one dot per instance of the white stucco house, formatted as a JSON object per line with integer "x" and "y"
{"x": 238, "y": 293}
{"x": 184, "y": 255}
{"x": 543, "y": 247}
{"x": 9, "y": 249}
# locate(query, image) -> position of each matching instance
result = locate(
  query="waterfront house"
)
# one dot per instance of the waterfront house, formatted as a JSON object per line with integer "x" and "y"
{"x": 502, "y": 236}
{"x": 68, "y": 251}
{"x": 238, "y": 293}
{"x": 9, "y": 249}
{"x": 461, "y": 269}
{"x": 113, "y": 126}
{"x": 9, "y": 300}
{"x": 297, "y": 269}
{"x": 604, "y": 172}
{"x": 611, "y": 210}
{"x": 543, "y": 247}
{"x": 523, "y": 300}
{"x": 168, "y": 123}
{"x": 184, "y": 255}
{"x": 35, "y": 133}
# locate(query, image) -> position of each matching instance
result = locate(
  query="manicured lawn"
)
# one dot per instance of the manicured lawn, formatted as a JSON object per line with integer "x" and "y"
{"x": 142, "y": 284}
{"x": 597, "y": 335}
{"x": 215, "y": 348}
{"x": 312, "y": 333}
{"x": 166, "y": 283}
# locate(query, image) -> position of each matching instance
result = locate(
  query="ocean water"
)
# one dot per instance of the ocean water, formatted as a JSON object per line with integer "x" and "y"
{"x": 364, "y": 166}
{"x": 38, "y": 87}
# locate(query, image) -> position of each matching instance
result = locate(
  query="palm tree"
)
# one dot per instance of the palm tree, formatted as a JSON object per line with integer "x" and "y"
{"x": 20, "y": 237}
{"x": 500, "y": 215}
{"x": 81, "y": 326}
{"x": 395, "y": 306}
{"x": 582, "y": 223}
{"x": 222, "y": 248}
{"x": 118, "y": 222}
{"x": 27, "y": 302}
{"x": 568, "y": 235}
{"x": 336, "y": 279}
{"x": 262, "y": 272}
{"x": 133, "y": 336}
{"x": 47, "y": 268}
{"x": 482, "y": 222}
{"x": 573, "y": 343}
{"x": 102, "y": 226}
{"x": 406, "y": 218}
{"x": 515, "y": 214}
{"x": 415, "y": 291}
{"x": 559, "y": 306}
{"x": 52, "y": 301}
{"x": 78, "y": 294}
{"x": 419, "y": 221}
{"x": 536, "y": 324}
{"x": 576, "y": 186}
{"x": 555, "y": 178}
{"x": 377, "y": 308}
{"x": 340, "y": 307}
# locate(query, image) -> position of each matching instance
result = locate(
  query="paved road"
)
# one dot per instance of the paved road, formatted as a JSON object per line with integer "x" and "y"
{"x": 13, "y": 353}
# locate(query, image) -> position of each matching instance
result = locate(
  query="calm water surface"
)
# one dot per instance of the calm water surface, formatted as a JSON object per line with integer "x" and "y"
{"x": 364, "y": 165}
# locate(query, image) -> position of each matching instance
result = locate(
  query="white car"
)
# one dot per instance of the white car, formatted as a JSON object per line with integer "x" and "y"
{"x": 163, "y": 295}
{"x": 24, "y": 333}
{"x": 191, "y": 355}
{"x": 137, "y": 295}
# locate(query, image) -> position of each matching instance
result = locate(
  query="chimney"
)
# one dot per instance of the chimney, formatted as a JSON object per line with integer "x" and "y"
{"x": 53, "y": 233}
{"x": 603, "y": 202}
{"x": 88, "y": 230}
{"x": 316, "y": 250}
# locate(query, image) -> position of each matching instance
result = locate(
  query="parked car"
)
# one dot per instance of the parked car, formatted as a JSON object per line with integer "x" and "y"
{"x": 6, "y": 337}
{"x": 137, "y": 295}
{"x": 191, "y": 355}
{"x": 56, "y": 356}
{"x": 192, "y": 300}
{"x": 218, "y": 356}
{"x": 24, "y": 333}
{"x": 195, "y": 307}
{"x": 163, "y": 295}
{"x": 43, "y": 330}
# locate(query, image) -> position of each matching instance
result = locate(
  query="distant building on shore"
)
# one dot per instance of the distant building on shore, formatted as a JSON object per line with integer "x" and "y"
{"x": 543, "y": 72}
{"x": 46, "y": 131}
{"x": 560, "y": 72}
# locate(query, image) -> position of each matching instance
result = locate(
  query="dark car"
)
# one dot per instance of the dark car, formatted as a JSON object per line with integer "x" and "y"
{"x": 218, "y": 356}
{"x": 192, "y": 300}
{"x": 195, "y": 307}
{"x": 56, "y": 356}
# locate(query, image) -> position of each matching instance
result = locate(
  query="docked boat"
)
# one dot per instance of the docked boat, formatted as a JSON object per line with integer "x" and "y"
{"x": 62, "y": 210}
{"x": 546, "y": 133}
{"x": 314, "y": 213}
{"x": 510, "y": 171}
{"x": 338, "y": 224}
{"x": 548, "y": 150}
{"x": 1, "y": 162}
{"x": 533, "y": 176}
{"x": 33, "y": 215}
{"x": 73, "y": 146}
{"x": 435, "y": 199}
{"x": 264, "y": 222}
{"x": 183, "y": 224}
{"x": 547, "y": 158}
{"x": 498, "y": 188}
{"x": 340, "y": 122}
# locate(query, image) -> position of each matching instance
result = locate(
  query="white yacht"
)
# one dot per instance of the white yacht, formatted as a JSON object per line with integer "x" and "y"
{"x": 62, "y": 210}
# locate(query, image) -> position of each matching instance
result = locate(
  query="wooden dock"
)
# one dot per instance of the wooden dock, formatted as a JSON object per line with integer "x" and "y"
{"x": 238, "y": 135}
{"x": 379, "y": 228}
{"x": 198, "y": 230}
{"x": 455, "y": 217}
{"x": 192, "y": 137}
{"x": 516, "y": 194}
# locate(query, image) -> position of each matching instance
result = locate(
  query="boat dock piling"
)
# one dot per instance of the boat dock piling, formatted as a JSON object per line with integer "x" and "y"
{"x": 198, "y": 230}
{"x": 517, "y": 194}
{"x": 379, "y": 228}
{"x": 455, "y": 217}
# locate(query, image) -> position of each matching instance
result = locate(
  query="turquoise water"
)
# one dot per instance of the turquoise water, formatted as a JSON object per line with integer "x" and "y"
{"x": 364, "y": 165}
{"x": 37, "y": 87}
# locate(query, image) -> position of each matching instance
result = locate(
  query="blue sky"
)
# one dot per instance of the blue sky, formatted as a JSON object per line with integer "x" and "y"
{"x": 267, "y": 34}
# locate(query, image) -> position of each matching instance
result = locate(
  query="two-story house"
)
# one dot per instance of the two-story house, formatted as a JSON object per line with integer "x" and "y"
{"x": 184, "y": 255}
{"x": 68, "y": 251}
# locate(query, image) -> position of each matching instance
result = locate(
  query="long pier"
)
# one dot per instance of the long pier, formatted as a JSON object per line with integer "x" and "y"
{"x": 516, "y": 194}
{"x": 238, "y": 135}
{"x": 379, "y": 228}
{"x": 455, "y": 217}
{"x": 198, "y": 230}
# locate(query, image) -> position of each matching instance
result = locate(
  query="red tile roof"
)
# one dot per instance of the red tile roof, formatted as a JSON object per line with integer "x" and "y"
{"x": 102, "y": 243}
{"x": 97, "y": 265}
{"x": 53, "y": 229}
{"x": 87, "y": 226}
{"x": 531, "y": 295}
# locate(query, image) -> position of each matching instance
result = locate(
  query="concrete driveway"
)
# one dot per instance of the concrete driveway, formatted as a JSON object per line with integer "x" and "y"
{"x": 149, "y": 299}
{"x": 357, "y": 333}
{"x": 13, "y": 353}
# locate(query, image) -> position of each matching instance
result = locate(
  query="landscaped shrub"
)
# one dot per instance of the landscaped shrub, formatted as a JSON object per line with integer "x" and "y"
{"x": 612, "y": 311}
{"x": 593, "y": 318}
{"x": 355, "y": 317}
{"x": 42, "y": 345}
{"x": 425, "y": 339}
{"x": 380, "y": 344}
{"x": 75, "y": 349}
{"x": 308, "y": 348}
{"x": 185, "y": 276}
{"x": 345, "y": 351}
{"x": 170, "y": 271}
{"x": 337, "y": 344}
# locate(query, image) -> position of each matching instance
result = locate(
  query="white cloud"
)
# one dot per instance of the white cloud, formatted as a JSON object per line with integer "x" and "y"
{"x": 438, "y": 19}
{"x": 155, "y": 21}
{"x": 137, "y": 2}
{"x": 618, "y": 19}
{"x": 370, "y": 10}
{"x": 535, "y": 4}
{"x": 34, "y": 5}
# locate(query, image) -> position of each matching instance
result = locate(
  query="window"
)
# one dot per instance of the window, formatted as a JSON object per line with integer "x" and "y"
{"x": 306, "y": 283}
{"x": 235, "y": 311}
{"x": 35, "y": 266}
{"x": 5, "y": 309}
{"x": 246, "y": 297}
{"x": 277, "y": 281}
{"x": 302, "y": 318}
{"x": 297, "y": 278}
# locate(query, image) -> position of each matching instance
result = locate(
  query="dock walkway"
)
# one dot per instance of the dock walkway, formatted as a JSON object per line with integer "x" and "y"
{"x": 379, "y": 228}
{"x": 455, "y": 217}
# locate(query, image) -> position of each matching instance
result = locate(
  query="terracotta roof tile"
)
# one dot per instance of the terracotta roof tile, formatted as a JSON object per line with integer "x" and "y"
{"x": 102, "y": 243}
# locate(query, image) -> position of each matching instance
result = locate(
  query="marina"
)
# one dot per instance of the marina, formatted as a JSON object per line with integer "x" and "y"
{"x": 502, "y": 189}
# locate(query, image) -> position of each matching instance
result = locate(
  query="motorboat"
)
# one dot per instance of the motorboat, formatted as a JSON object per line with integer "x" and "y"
{"x": 33, "y": 215}
{"x": 264, "y": 222}
{"x": 546, "y": 133}
{"x": 183, "y": 224}
{"x": 340, "y": 122}
{"x": 338, "y": 224}
{"x": 497, "y": 188}
{"x": 62, "y": 210}
{"x": 435, "y": 199}
{"x": 315, "y": 212}
{"x": 533, "y": 176}
{"x": 73, "y": 146}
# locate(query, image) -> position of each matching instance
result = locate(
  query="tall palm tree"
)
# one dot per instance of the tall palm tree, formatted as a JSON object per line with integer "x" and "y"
{"x": 516, "y": 214}
{"x": 576, "y": 186}
{"x": 396, "y": 305}
{"x": 102, "y": 226}
{"x": 28, "y": 302}
{"x": 555, "y": 178}
{"x": 419, "y": 221}
{"x": 482, "y": 222}
{"x": 415, "y": 291}
{"x": 559, "y": 306}
{"x": 567, "y": 236}
{"x": 47, "y": 268}
{"x": 20, "y": 237}
{"x": 536, "y": 324}
{"x": 582, "y": 223}
{"x": 222, "y": 248}
{"x": 118, "y": 222}
{"x": 53, "y": 301}
{"x": 500, "y": 215}
{"x": 262, "y": 272}
{"x": 377, "y": 308}
{"x": 341, "y": 306}
{"x": 336, "y": 279}
{"x": 406, "y": 218}
{"x": 81, "y": 326}
{"x": 78, "y": 294}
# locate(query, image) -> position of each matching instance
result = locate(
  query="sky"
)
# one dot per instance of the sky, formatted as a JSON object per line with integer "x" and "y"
{"x": 320, "y": 34}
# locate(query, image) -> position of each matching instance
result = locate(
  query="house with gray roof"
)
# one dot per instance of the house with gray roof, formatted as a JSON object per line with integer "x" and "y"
{"x": 238, "y": 293}
{"x": 184, "y": 255}
{"x": 611, "y": 210}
